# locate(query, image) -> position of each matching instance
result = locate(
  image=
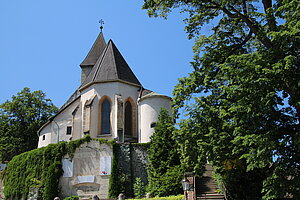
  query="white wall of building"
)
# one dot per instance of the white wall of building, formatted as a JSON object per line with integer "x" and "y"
{"x": 147, "y": 111}
{"x": 56, "y": 130}
{"x": 109, "y": 89}
{"x": 87, "y": 173}
{"x": 93, "y": 94}
{"x": 149, "y": 108}
{"x": 45, "y": 137}
{"x": 77, "y": 122}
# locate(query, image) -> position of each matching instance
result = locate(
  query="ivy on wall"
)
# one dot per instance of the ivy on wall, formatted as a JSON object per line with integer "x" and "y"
{"x": 123, "y": 173}
{"x": 115, "y": 186}
{"x": 40, "y": 168}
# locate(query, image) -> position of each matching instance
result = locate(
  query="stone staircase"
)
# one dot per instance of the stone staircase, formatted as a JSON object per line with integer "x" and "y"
{"x": 206, "y": 186}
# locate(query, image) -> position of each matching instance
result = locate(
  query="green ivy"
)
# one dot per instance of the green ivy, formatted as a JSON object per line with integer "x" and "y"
{"x": 24, "y": 170}
{"x": 122, "y": 180}
{"x": 139, "y": 188}
{"x": 114, "y": 188}
{"x": 118, "y": 180}
{"x": 40, "y": 168}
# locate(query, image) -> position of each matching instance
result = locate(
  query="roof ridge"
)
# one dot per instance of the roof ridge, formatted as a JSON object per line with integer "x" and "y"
{"x": 111, "y": 65}
{"x": 114, "y": 57}
{"x": 100, "y": 62}
{"x": 118, "y": 67}
{"x": 97, "y": 48}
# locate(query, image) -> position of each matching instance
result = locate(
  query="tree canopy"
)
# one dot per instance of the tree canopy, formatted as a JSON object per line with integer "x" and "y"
{"x": 20, "y": 120}
{"x": 242, "y": 97}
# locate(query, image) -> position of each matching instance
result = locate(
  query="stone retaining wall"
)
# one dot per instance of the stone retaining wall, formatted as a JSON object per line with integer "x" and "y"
{"x": 132, "y": 162}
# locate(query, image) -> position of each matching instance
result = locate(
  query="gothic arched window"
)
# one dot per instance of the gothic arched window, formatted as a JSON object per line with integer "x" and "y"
{"x": 128, "y": 119}
{"x": 105, "y": 117}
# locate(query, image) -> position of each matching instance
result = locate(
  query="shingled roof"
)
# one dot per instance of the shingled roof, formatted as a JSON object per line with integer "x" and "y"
{"x": 111, "y": 66}
{"x": 95, "y": 52}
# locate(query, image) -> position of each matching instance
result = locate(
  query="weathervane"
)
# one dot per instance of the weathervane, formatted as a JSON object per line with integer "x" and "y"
{"x": 101, "y": 22}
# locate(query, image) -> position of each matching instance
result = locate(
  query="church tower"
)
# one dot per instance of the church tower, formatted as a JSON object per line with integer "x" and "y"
{"x": 92, "y": 57}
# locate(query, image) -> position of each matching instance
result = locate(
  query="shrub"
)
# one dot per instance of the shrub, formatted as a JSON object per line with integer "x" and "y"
{"x": 117, "y": 178}
{"x": 139, "y": 188}
{"x": 72, "y": 198}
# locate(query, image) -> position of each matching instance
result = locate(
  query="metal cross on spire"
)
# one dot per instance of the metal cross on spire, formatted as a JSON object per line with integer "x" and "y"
{"x": 101, "y": 22}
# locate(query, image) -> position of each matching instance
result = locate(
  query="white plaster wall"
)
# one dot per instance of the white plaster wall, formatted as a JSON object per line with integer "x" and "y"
{"x": 86, "y": 95}
{"x": 126, "y": 91}
{"x": 109, "y": 89}
{"x": 65, "y": 118}
{"x": 47, "y": 132}
{"x": 55, "y": 132}
{"x": 86, "y": 179}
{"x": 149, "y": 110}
{"x": 77, "y": 122}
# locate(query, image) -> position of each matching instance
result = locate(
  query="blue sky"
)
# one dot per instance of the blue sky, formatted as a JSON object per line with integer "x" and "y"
{"x": 42, "y": 44}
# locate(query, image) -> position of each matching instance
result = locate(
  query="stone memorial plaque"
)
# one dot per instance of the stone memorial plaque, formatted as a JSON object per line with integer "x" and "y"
{"x": 67, "y": 166}
{"x": 105, "y": 165}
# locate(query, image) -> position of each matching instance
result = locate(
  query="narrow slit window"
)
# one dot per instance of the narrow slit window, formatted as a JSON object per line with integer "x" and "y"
{"x": 105, "y": 117}
{"x": 128, "y": 119}
{"x": 69, "y": 130}
{"x": 153, "y": 124}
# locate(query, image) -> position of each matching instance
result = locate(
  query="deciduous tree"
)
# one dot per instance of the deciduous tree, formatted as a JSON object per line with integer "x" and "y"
{"x": 20, "y": 120}
{"x": 243, "y": 96}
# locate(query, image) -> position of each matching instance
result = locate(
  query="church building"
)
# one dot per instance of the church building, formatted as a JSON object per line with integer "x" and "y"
{"x": 110, "y": 103}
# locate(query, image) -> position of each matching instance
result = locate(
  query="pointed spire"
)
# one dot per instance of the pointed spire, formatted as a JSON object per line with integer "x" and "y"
{"x": 95, "y": 52}
{"x": 111, "y": 66}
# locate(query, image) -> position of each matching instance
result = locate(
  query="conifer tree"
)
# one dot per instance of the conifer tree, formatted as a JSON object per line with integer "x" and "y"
{"x": 164, "y": 171}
